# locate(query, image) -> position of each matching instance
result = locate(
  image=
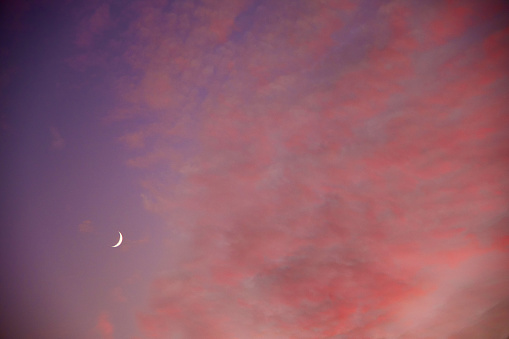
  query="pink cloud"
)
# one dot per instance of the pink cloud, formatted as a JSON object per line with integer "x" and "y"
{"x": 220, "y": 16}
{"x": 341, "y": 181}
{"x": 86, "y": 227}
{"x": 451, "y": 21}
{"x": 104, "y": 326}
{"x": 93, "y": 26}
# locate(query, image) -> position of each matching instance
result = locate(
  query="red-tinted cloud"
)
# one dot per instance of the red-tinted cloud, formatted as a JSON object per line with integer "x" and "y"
{"x": 336, "y": 171}
{"x": 104, "y": 326}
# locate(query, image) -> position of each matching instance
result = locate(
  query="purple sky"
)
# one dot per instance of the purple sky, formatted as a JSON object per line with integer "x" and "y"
{"x": 279, "y": 169}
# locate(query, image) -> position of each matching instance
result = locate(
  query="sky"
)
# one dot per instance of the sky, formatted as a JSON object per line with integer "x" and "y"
{"x": 326, "y": 169}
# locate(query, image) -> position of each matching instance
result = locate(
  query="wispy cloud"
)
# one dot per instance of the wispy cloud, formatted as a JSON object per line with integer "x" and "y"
{"x": 57, "y": 142}
{"x": 119, "y": 294}
{"x": 104, "y": 326}
{"x": 93, "y": 25}
{"x": 86, "y": 227}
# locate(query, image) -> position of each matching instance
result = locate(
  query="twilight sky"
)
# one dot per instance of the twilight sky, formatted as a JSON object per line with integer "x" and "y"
{"x": 280, "y": 169}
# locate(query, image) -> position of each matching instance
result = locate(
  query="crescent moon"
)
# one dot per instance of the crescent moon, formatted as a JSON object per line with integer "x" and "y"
{"x": 119, "y": 240}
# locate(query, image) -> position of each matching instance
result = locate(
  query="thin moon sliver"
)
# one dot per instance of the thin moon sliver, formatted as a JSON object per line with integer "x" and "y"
{"x": 119, "y": 240}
